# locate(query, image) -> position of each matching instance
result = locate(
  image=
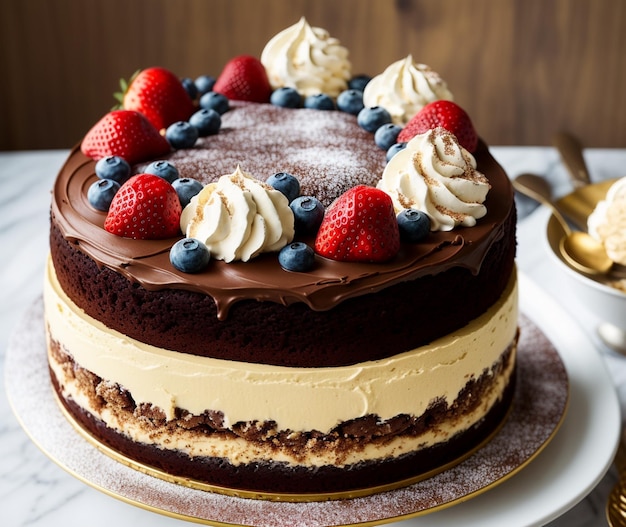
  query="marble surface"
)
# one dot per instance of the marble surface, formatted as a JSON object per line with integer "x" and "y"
{"x": 35, "y": 492}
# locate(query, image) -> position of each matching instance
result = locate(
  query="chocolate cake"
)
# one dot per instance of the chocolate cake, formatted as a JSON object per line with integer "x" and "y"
{"x": 349, "y": 377}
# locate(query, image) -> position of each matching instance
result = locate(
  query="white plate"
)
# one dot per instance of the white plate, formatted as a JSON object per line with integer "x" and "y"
{"x": 575, "y": 461}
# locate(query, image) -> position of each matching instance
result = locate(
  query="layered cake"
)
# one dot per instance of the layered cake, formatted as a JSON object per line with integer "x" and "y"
{"x": 379, "y": 357}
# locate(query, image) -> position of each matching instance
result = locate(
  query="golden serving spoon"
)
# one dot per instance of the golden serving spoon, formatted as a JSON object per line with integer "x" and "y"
{"x": 616, "y": 503}
{"x": 571, "y": 152}
{"x": 579, "y": 250}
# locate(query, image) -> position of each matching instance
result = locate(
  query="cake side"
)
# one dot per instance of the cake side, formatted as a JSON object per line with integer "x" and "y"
{"x": 109, "y": 378}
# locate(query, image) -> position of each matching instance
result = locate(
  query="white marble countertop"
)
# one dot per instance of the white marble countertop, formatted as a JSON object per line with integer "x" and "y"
{"x": 35, "y": 492}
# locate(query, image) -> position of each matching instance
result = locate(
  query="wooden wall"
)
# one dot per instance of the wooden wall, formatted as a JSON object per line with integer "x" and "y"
{"x": 522, "y": 68}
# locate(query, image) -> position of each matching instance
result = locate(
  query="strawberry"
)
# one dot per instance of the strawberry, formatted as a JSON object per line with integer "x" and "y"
{"x": 443, "y": 113}
{"x": 244, "y": 79}
{"x": 360, "y": 226}
{"x": 146, "y": 207}
{"x": 126, "y": 134}
{"x": 159, "y": 95}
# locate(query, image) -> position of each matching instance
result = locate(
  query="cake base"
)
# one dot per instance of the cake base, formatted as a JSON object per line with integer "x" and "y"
{"x": 432, "y": 461}
{"x": 538, "y": 410}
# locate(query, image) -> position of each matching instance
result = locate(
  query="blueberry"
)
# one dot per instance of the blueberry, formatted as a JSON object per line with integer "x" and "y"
{"x": 386, "y": 135}
{"x": 181, "y": 135}
{"x": 207, "y": 121}
{"x": 215, "y": 101}
{"x": 308, "y": 213}
{"x": 359, "y": 82}
{"x": 286, "y": 97}
{"x": 371, "y": 119}
{"x": 189, "y": 255}
{"x": 394, "y": 149}
{"x": 414, "y": 225}
{"x": 186, "y": 188}
{"x": 190, "y": 87}
{"x": 204, "y": 84}
{"x": 286, "y": 183}
{"x": 350, "y": 101}
{"x": 296, "y": 256}
{"x": 163, "y": 169}
{"x": 113, "y": 167}
{"x": 319, "y": 101}
{"x": 100, "y": 193}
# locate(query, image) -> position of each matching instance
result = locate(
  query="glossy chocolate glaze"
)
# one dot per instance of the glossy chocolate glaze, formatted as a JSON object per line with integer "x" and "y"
{"x": 146, "y": 262}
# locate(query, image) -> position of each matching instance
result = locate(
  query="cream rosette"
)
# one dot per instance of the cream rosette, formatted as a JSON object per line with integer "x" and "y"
{"x": 607, "y": 223}
{"x": 238, "y": 217}
{"x": 404, "y": 88}
{"x": 308, "y": 59}
{"x": 436, "y": 175}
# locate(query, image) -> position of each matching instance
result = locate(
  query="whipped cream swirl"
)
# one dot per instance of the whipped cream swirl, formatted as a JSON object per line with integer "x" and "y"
{"x": 239, "y": 217}
{"x": 607, "y": 222}
{"x": 308, "y": 59}
{"x": 404, "y": 88}
{"x": 436, "y": 175}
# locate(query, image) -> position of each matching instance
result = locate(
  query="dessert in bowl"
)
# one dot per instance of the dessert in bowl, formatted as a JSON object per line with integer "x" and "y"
{"x": 603, "y": 295}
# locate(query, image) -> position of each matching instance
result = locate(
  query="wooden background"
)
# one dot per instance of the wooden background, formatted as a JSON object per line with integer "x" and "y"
{"x": 523, "y": 69}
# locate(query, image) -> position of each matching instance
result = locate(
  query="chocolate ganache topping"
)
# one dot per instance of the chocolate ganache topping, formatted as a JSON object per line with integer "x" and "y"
{"x": 329, "y": 153}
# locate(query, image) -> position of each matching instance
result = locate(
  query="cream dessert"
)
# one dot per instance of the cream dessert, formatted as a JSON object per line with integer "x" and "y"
{"x": 341, "y": 379}
{"x": 606, "y": 223}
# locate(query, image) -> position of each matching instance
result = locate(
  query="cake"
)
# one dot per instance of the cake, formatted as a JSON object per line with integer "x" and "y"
{"x": 352, "y": 376}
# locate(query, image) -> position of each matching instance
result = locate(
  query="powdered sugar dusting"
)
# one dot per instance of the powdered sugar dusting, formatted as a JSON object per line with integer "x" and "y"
{"x": 539, "y": 405}
{"x": 326, "y": 150}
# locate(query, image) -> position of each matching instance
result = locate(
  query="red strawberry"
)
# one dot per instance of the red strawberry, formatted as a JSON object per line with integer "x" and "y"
{"x": 146, "y": 207}
{"x": 360, "y": 226}
{"x": 160, "y": 96}
{"x": 244, "y": 79}
{"x": 126, "y": 134}
{"x": 446, "y": 114}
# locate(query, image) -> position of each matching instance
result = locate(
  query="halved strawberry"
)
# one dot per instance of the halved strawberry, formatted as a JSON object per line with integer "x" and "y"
{"x": 159, "y": 95}
{"x": 146, "y": 207}
{"x": 126, "y": 134}
{"x": 244, "y": 79}
{"x": 443, "y": 113}
{"x": 360, "y": 226}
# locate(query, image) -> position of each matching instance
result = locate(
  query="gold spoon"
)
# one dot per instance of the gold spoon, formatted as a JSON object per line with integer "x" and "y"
{"x": 571, "y": 152}
{"x": 616, "y": 503}
{"x": 578, "y": 248}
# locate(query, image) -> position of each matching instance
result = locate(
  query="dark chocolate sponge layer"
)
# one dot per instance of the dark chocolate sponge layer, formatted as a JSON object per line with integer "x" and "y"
{"x": 369, "y": 327}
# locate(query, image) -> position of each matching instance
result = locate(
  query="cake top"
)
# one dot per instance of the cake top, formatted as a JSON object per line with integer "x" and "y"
{"x": 227, "y": 149}
{"x": 325, "y": 150}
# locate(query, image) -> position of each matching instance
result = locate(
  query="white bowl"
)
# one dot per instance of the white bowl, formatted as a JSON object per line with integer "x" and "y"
{"x": 607, "y": 303}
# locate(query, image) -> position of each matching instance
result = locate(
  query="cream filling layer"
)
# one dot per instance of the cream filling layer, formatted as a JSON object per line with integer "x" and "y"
{"x": 240, "y": 451}
{"x": 297, "y": 399}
